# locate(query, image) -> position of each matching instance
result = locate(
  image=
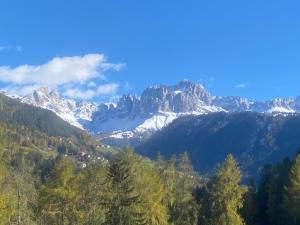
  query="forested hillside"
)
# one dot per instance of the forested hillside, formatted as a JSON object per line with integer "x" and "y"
{"x": 129, "y": 190}
{"x": 26, "y": 125}
{"x": 253, "y": 138}
{"x": 16, "y": 113}
{"x": 53, "y": 178}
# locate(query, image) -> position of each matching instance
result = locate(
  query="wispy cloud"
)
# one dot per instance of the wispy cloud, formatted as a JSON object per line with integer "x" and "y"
{"x": 107, "y": 89}
{"x": 80, "y": 94}
{"x": 17, "y": 48}
{"x": 20, "y": 90}
{"x": 2, "y": 48}
{"x": 102, "y": 90}
{"x": 242, "y": 85}
{"x": 70, "y": 73}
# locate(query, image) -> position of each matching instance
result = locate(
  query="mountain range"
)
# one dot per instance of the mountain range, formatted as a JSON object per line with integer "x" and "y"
{"x": 135, "y": 118}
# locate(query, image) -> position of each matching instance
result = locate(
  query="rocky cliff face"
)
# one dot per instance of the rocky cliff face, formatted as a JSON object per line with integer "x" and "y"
{"x": 183, "y": 97}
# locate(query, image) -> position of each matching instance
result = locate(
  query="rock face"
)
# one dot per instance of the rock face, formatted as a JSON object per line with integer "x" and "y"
{"x": 183, "y": 97}
{"x": 134, "y": 118}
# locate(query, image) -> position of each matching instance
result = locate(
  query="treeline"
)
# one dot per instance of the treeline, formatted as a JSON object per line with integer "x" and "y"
{"x": 26, "y": 158}
{"x": 131, "y": 190}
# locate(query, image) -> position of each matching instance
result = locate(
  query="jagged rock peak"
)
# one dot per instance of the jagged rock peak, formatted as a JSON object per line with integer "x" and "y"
{"x": 187, "y": 85}
{"x": 44, "y": 90}
{"x": 54, "y": 93}
{"x": 69, "y": 110}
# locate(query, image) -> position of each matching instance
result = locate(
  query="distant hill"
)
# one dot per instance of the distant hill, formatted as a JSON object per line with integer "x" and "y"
{"x": 37, "y": 126}
{"x": 253, "y": 138}
{"x": 14, "y": 112}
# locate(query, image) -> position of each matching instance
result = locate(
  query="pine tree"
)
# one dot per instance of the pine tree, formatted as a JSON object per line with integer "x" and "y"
{"x": 292, "y": 191}
{"x": 275, "y": 189}
{"x": 152, "y": 191}
{"x": 90, "y": 188}
{"x": 226, "y": 194}
{"x": 184, "y": 211}
{"x": 168, "y": 176}
{"x": 188, "y": 178}
{"x": 249, "y": 208}
{"x": 57, "y": 197}
{"x": 123, "y": 201}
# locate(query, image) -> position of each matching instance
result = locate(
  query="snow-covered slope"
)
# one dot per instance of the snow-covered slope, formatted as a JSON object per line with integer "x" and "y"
{"x": 68, "y": 110}
{"x": 137, "y": 117}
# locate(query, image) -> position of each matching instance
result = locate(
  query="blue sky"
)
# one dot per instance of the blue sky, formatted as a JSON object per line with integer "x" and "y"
{"x": 247, "y": 48}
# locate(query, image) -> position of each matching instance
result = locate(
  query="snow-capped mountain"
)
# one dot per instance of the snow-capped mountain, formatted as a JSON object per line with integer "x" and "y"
{"x": 155, "y": 108}
{"x": 69, "y": 110}
{"x": 239, "y": 104}
{"x": 133, "y": 117}
{"x": 136, "y": 117}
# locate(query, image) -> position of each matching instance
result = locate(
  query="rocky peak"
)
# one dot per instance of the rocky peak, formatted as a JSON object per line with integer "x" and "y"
{"x": 43, "y": 90}
{"x": 233, "y": 103}
{"x": 54, "y": 94}
{"x": 39, "y": 97}
{"x": 186, "y": 85}
{"x": 281, "y": 105}
{"x": 154, "y": 99}
{"x": 128, "y": 104}
{"x": 85, "y": 110}
{"x": 42, "y": 97}
{"x": 183, "y": 97}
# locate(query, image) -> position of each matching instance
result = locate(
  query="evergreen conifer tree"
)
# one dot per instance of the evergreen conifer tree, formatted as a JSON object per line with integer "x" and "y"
{"x": 122, "y": 204}
{"x": 292, "y": 191}
{"x": 226, "y": 194}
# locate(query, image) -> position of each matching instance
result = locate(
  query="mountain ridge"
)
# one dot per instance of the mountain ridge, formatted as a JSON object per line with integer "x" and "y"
{"x": 134, "y": 118}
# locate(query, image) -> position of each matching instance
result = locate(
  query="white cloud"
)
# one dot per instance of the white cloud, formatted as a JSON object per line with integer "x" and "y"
{"x": 81, "y": 94}
{"x": 21, "y": 90}
{"x": 65, "y": 73}
{"x": 107, "y": 89}
{"x": 102, "y": 90}
{"x": 242, "y": 85}
{"x": 59, "y": 71}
